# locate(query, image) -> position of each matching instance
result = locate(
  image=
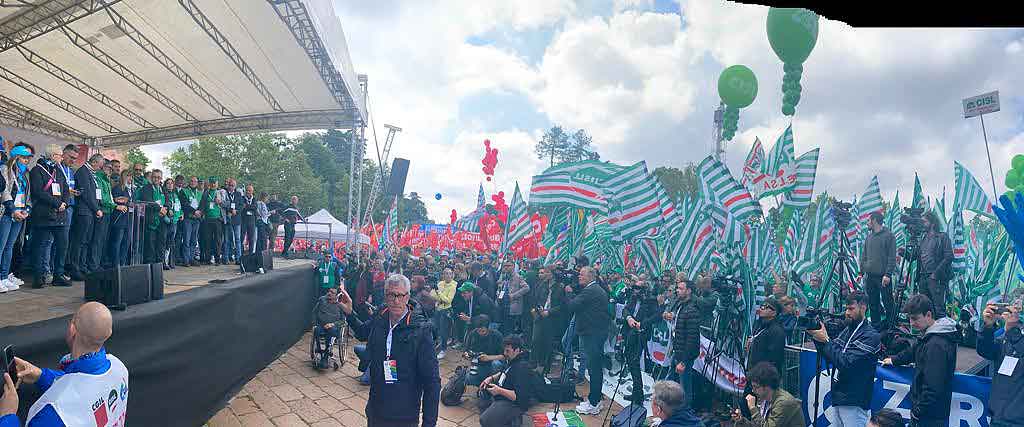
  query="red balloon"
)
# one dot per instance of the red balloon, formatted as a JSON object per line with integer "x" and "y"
{"x": 454, "y": 216}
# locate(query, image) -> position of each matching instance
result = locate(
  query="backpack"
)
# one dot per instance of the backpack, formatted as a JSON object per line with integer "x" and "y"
{"x": 451, "y": 393}
{"x": 631, "y": 416}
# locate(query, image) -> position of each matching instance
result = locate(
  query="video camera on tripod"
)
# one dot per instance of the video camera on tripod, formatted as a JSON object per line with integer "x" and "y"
{"x": 566, "y": 276}
{"x": 815, "y": 317}
{"x": 727, "y": 288}
{"x": 840, "y": 211}
{"x": 913, "y": 219}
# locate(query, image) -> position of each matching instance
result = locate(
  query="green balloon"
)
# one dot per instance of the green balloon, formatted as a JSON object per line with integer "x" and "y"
{"x": 737, "y": 86}
{"x": 1018, "y": 162}
{"x": 792, "y": 32}
{"x": 1012, "y": 179}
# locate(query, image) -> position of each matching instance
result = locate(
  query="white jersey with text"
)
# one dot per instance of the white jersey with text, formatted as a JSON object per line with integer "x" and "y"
{"x": 82, "y": 399}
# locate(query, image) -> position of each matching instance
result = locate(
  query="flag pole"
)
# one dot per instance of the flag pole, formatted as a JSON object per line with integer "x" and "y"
{"x": 991, "y": 174}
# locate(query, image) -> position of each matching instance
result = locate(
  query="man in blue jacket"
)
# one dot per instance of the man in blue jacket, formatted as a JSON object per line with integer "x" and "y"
{"x": 854, "y": 353}
{"x": 399, "y": 357}
{"x": 90, "y": 385}
{"x": 1006, "y": 402}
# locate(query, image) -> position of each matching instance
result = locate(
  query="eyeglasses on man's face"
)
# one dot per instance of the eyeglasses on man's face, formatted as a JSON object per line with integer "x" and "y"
{"x": 394, "y": 295}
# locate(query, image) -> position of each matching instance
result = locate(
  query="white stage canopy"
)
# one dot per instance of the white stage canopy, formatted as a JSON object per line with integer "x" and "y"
{"x": 117, "y": 73}
{"x": 337, "y": 230}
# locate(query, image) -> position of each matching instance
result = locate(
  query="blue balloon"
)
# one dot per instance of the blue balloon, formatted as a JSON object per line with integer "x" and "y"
{"x": 437, "y": 196}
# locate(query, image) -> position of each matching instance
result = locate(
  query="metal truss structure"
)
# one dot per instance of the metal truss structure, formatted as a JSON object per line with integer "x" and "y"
{"x": 40, "y": 18}
{"x": 55, "y": 100}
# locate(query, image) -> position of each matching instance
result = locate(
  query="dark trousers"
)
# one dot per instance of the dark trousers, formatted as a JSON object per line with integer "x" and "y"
{"x": 593, "y": 347}
{"x": 189, "y": 240}
{"x": 501, "y": 413}
{"x": 116, "y": 251}
{"x": 249, "y": 237}
{"x": 153, "y": 243}
{"x": 633, "y": 350}
{"x": 262, "y": 236}
{"x": 936, "y": 291}
{"x": 170, "y": 244}
{"x": 81, "y": 238}
{"x": 289, "y": 235}
{"x": 880, "y": 301}
{"x": 48, "y": 238}
{"x": 212, "y": 233}
{"x": 98, "y": 243}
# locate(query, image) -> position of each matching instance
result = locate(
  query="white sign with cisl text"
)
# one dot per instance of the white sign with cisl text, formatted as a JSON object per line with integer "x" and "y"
{"x": 981, "y": 104}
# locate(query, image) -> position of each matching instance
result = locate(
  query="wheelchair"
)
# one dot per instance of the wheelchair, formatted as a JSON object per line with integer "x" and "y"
{"x": 336, "y": 347}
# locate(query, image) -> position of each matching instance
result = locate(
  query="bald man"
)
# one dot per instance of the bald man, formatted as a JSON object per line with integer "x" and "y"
{"x": 87, "y": 376}
{"x": 590, "y": 307}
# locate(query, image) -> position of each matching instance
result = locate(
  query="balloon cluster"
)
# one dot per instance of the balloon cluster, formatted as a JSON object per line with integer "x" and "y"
{"x": 454, "y": 216}
{"x": 737, "y": 86}
{"x": 792, "y": 32}
{"x": 500, "y": 206}
{"x": 490, "y": 160}
{"x": 1015, "y": 178}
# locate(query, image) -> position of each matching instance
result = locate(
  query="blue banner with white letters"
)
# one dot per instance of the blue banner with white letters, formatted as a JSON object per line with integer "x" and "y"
{"x": 969, "y": 407}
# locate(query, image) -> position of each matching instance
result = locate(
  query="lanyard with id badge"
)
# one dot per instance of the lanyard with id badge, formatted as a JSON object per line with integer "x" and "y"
{"x": 391, "y": 365}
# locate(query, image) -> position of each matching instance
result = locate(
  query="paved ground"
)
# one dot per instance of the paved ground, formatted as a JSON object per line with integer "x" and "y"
{"x": 290, "y": 393}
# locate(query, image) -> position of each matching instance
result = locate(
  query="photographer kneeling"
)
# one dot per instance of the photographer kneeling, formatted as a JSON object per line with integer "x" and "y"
{"x": 511, "y": 389}
{"x": 485, "y": 344}
{"x": 854, "y": 354}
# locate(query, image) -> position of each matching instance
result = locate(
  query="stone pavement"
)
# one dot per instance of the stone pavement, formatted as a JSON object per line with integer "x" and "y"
{"x": 290, "y": 392}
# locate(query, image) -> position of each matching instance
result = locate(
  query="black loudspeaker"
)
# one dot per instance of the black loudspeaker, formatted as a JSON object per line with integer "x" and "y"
{"x": 104, "y": 287}
{"x": 135, "y": 284}
{"x": 156, "y": 281}
{"x": 120, "y": 287}
{"x": 268, "y": 259}
{"x": 399, "y": 169}
{"x": 251, "y": 263}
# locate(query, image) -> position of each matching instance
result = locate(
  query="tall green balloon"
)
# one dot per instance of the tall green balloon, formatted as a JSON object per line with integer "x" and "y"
{"x": 1018, "y": 162}
{"x": 737, "y": 86}
{"x": 792, "y": 33}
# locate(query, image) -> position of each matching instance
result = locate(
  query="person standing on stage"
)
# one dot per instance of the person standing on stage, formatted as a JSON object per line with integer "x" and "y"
{"x": 16, "y": 204}
{"x": 247, "y": 211}
{"x": 878, "y": 263}
{"x": 49, "y": 206}
{"x": 262, "y": 223}
{"x": 290, "y": 216}
{"x": 232, "y": 205}
{"x": 192, "y": 217}
{"x": 213, "y": 225}
{"x": 120, "y": 220}
{"x": 153, "y": 237}
{"x": 87, "y": 213}
{"x": 170, "y": 224}
{"x": 101, "y": 227}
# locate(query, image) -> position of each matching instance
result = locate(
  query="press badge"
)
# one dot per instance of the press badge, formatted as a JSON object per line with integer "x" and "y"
{"x": 99, "y": 194}
{"x": 390, "y": 371}
{"x": 194, "y": 204}
{"x": 232, "y": 206}
{"x": 19, "y": 200}
{"x": 327, "y": 279}
{"x": 55, "y": 189}
{"x": 1008, "y": 366}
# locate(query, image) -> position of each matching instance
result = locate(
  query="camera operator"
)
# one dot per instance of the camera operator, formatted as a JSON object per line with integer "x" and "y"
{"x": 768, "y": 344}
{"x": 934, "y": 358}
{"x": 512, "y": 290}
{"x": 1006, "y": 402}
{"x": 590, "y": 306}
{"x": 854, "y": 353}
{"x": 640, "y": 309}
{"x": 877, "y": 263}
{"x": 469, "y": 303}
{"x": 549, "y": 319}
{"x": 484, "y": 343}
{"x": 686, "y": 336}
{"x": 935, "y": 264}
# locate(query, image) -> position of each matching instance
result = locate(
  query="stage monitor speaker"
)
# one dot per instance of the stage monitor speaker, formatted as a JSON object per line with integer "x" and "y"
{"x": 104, "y": 287}
{"x": 156, "y": 281}
{"x": 399, "y": 170}
{"x": 135, "y": 283}
{"x": 120, "y": 287}
{"x": 251, "y": 263}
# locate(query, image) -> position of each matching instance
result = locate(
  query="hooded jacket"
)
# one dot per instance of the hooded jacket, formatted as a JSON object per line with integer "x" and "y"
{"x": 854, "y": 353}
{"x": 1006, "y": 402}
{"x": 682, "y": 417}
{"x": 934, "y": 357}
{"x": 412, "y": 347}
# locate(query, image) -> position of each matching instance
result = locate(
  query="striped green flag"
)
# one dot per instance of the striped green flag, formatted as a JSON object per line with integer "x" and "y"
{"x": 565, "y": 189}
{"x": 806, "y": 168}
{"x": 781, "y": 153}
{"x": 794, "y": 233}
{"x": 893, "y": 223}
{"x": 719, "y": 187}
{"x": 752, "y": 166}
{"x": 968, "y": 194}
{"x": 518, "y": 225}
{"x": 870, "y": 202}
{"x": 939, "y": 208}
{"x": 918, "y": 200}
{"x": 650, "y": 260}
{"x": 956, "y": 234}
{"x": 816, "y": 244}
{"x": 634, "y": 205}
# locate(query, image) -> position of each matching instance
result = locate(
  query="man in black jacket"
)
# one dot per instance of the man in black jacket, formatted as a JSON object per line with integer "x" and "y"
{"x": 640, "y": 308}
{"x": 484, "y": 280}
{"x": 247, "y": 211}
{"x": 291, "y": 216}
{"x": 154, "y": 237}
{"x": 854, "y": 353}
{"x": 469, "y": 302}
{"x": 1005, "y": 402}
{"x": 512, "y": 389}
{"x": 686, "y": 336}
{"x": 878, "y": 263}
{"x": 934, "y": 358}
{"x": 548, "y": 311}
{"x": 50, "y": 194}
{"x": 935, "y": 266}
{"x": 590, "y": 306}
{"x": 400, "y": 359}
{"x": 87, "y": 211}
{"x": 768, "y": 344}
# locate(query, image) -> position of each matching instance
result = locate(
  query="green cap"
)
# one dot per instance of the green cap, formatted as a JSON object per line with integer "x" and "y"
{"x": 467, "y": 287}
{"x": 212, "y": 179}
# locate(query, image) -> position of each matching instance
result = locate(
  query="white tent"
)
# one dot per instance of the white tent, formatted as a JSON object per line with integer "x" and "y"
{"x": 317, "y": 228}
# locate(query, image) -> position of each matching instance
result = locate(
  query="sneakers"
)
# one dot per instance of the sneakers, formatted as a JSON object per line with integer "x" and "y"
{"x": 9, "y": 285}
{"x": 440, "y": 355}
{"x": 3, "y": 286}
{"x": 587, "y": 409}
{"x": 12, "y": 279}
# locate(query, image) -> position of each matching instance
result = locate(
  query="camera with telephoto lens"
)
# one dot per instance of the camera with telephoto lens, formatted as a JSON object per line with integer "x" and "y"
{"x": 727, "y": 287}
{"x": 913, "y": 219}
{"x": 566, "y": 276}
{"x": 815, "y": 317}
{"x": 840, "y": 211}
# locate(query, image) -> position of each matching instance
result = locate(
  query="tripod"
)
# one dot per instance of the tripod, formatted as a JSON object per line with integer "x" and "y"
{"x": 907, "y": 273}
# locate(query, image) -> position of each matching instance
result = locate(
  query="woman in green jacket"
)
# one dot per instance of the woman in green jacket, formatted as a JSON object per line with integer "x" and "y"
{"x": 174, "y": 214}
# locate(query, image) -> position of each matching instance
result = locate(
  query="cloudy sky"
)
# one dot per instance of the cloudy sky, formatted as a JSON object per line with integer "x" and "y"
{"x": 641, "y": 75}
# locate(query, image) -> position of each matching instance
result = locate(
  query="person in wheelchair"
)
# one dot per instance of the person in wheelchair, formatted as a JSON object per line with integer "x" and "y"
{"x": 330, "y": 324}
{"x": 484, "y": 344}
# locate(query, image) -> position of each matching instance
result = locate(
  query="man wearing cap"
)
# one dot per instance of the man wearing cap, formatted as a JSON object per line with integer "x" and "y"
{"x": 768, "y": 343}
{"x": 213, "y": 224}
{"x": 192, "y": 216}
{"x": 50, "y": 194}
{"x": 87, "y": 212}
{"x": 468, "y": 303}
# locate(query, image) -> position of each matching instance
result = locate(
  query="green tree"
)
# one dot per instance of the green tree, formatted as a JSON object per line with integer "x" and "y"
{"x": 679, "y": 182}
{"x": 135, "y": 155}
{"x": 411, "y": 210}
{"x": 579, "y": 148}
{"x": 553, "y": 145}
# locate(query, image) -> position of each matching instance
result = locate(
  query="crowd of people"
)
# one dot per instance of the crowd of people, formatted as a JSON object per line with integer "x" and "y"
{"x": 63, "y": 221}
{"x": 519, "y": 318}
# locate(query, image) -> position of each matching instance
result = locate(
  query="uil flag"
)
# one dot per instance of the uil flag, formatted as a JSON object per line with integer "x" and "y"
{"x": 518, "y": 225}
{"x": 969, "y": 195}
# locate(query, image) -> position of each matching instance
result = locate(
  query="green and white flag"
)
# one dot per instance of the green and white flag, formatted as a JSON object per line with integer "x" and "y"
{"x": 518, "y": 225}
{"x": 781, "y": 153}
{"x": 918, "y": 201}
{"x": 870, "y": 202}
{"x": 816, "y": 244}
{"x": 893, "y": 223}
{"x": 564, "y": 189}
{"x": 794, "y": 234}
{"x": 803, "y": 186}
{"x": 650, "y": 258}
{"x": 968, "y": 194}
{"x": 956, "y": 234}
{"x": 634, "y": 205}
{"x": 719, "y": 187}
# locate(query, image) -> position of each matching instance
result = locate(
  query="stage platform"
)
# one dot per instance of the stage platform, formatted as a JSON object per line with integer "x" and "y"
{"x": 28, "y": 305}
